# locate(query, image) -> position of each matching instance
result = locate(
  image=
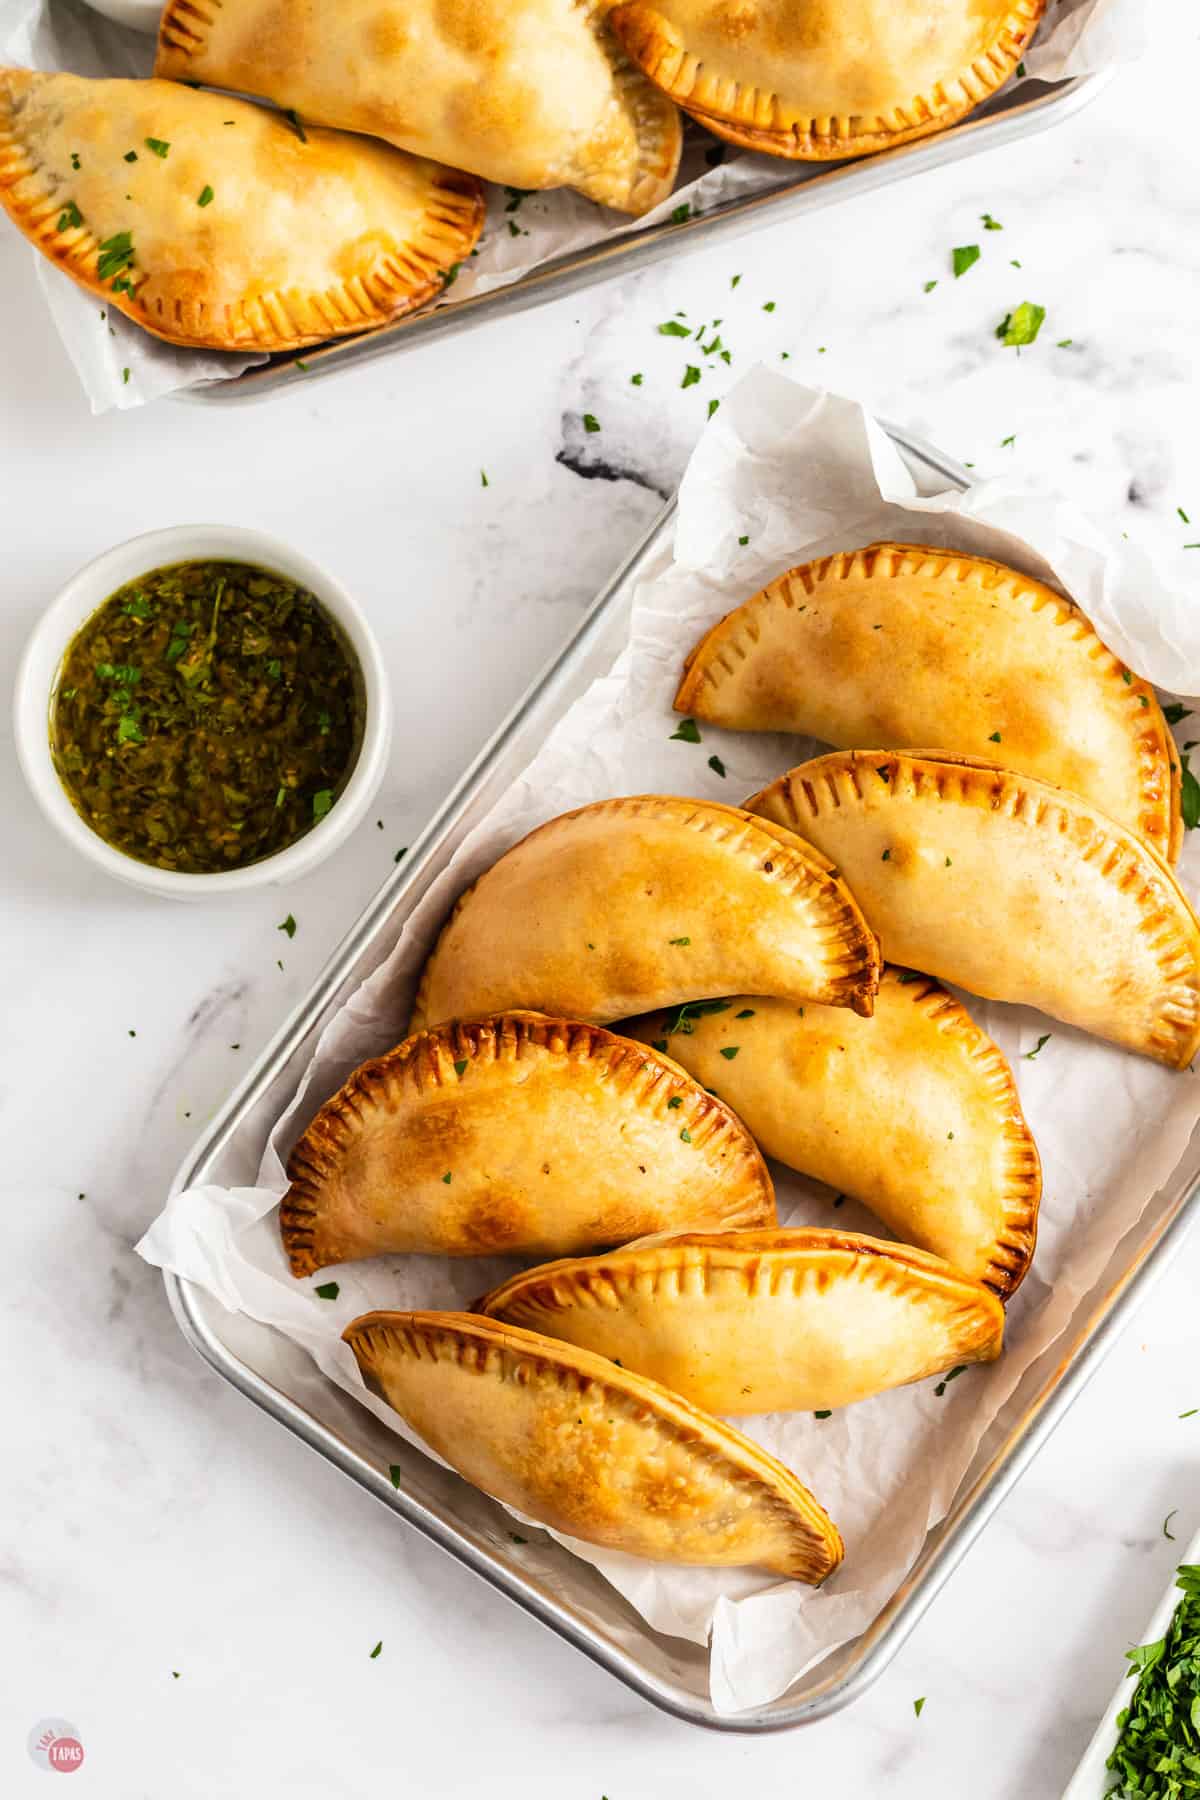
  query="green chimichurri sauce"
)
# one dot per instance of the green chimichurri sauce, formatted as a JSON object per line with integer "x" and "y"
{"x": 207, "y": 715}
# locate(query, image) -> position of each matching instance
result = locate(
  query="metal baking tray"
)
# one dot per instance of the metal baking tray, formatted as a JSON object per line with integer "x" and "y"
{"x": 567, "y": 1594}
{"x": 800, "y": 188}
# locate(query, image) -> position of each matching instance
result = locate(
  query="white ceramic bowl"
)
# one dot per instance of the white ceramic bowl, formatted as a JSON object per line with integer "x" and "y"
{"x": 142, "y": 15}
{"x": 38, "y": 673}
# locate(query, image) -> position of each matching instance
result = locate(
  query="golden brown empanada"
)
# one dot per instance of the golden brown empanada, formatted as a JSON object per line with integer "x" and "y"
{"x": 533, "y": 93}
{"x": 899, "y": 644}
{"x": 913, "y": 1111}
{"x": 1009, "y": 887}
{"x": 762, "y": 1321}
{"x": 826, "y": 78}
{"x": 517, "y": 1133}
{"x": 627, "y": 905}
{"x": 213, "y": 223}
{"x": 591, "y": 1450}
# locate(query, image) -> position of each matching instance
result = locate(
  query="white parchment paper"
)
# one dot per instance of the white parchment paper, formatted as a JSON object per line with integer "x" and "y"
{"x": 1077, "y": 37}
{"x": 796, "y": 473}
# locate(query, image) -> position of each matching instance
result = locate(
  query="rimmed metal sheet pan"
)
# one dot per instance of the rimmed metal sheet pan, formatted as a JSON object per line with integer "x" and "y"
{"x": 566, "y": 1594}
{"x": 801, "y": 188}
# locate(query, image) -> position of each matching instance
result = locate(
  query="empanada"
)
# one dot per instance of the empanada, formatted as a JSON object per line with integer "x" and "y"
{"x": 1011, "y": 888}
{"x": 898, "y": 644}
{"x": 518, "y": 1133}
{"x": 591, "y": 1450}
{"x": 826, "y": 78}
{"x": 213, "y": 223}
{"x": 627, "y": 905}
{"x": 762, "y": 1321}
{"x": 533, "y": 93}
{"x": 913, "y": 1111}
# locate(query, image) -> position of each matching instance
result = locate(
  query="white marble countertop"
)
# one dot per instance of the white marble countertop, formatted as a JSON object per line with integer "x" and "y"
{"x": 152, "y": 1522}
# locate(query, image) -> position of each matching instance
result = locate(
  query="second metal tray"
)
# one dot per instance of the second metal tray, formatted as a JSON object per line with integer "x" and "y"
{"x": 1017, "y": 113}
{"x": 567, "y": 1594}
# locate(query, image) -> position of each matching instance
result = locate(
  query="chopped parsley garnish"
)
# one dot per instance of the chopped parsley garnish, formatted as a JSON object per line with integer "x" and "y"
{"x": 1005, "y": 442}
{"x": 322, "y": 801}
{"x": 952, "y": 1375}
{"x": 673, "y": 1102}
{"x": 590, "y": 422}
{"x": 116, "y": 253}
{"x": 826, "y": 1412}
{"x": 929, "y": 287}
{"x": 460, "y": 1067}
{"x": 918, "y": 1704}
{"x": 328, "y": 1290}
{"x": 446, "y": 1177}
{"x": 1022, "y": 325}
{"x": 635, "y": 381}
{"x": 682, "y": 940}
{"x": 289, "y": 925}
{"x": 691, "y": 376}
{"x": 733, "y": 283}
{"x": 681, "y": 213}
{"x": 131, "y": 156}
{"x": 483, "y": 480}
{"x": 963, "y": 257}
{"x": 712, "y": 407}
{"x": 673, "y": 328}
{"x": 75, "y": 164}
{"x": 400, "y": 853}
{"x": 729, "y": 1051}
{"x": 990, "y": 224}
{"x": 688, "y": 732}
{"x": 376, "y": 1650}
{"x": 682, "y": 1022}
{"x": 1189, "y": 797}
{"x": 747, "y": 1012}
{"x": 125, "y": 376}
{"x": 994, "y": 738}
{"x": 1166, "y": 1523}
{"x": 769, "y": 306}
{"x": 717, "y": 766}
{"x": 159, "y": 146}
{"x": 1065, "y": 343}
{"x": 1174, "y": 712}
{"x": 69, "y": 217}
{"x": 395, "y": 1471}
{"x": 743, "y": 540}
{"x": 205, "y": 196}
{"x": 685, "y": 1135}
{"x": 886, "y": 857}
{"x": 1190, "y": 1414}
{"x": 1183, "y": 515}
{"x": 1041, "y": 1043}
{"x": 1157, "y": 1753}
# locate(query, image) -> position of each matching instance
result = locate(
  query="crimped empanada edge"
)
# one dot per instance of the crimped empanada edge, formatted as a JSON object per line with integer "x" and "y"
{"x": 757, "y": 119}
{"x": 852, "y": 945}
{"x": 658, "y": 129}
{"x": 662, "y": 1272}
{"x": 731, "y": 641}
{"x": 434, "y": 1059}
{"x": 278, "y": 320}
{"x": 485, "y": 1347}
{"x": 1173, "y": 1040}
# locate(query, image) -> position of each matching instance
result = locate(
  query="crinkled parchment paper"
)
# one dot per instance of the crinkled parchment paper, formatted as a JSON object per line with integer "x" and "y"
{"x": 796, "y": 473}
{"x": 1077, "y": 38}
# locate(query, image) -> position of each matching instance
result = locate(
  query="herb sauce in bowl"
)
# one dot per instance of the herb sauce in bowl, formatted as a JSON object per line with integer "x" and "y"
{"x": 206, "y": 716}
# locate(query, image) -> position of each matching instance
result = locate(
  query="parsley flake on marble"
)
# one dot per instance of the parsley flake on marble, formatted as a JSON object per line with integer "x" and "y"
{"x": 376, "y": 1650}
{"x": 673, "y": 328}
{"x": 1022, "y": 325}
{"x": 717, "y": 766}
{"x": 963, "y": 257}
{"x": 951, "y": 1375}
{"x": 688, "y": 732}
{"x": 590, "y": 422}
{"x": 990, "y": 224}
{"x": 691, "y": 376}
{"x": 289, "y": 925}
{"x": 918, "y": 1705}
{"x": 328, "y": 1290}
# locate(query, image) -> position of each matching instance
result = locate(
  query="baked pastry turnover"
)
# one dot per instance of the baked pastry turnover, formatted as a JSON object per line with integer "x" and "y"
{"x": 534, "y": 93}
{"x": 213, "y": 223}
{"x": 826, "y": 78}
{"x": 900, "y": 645}
{"x": 516, "y": 1133}
{"x": 913, "y": 1111}
{"x": 763, "y": 1321}
{"x": 627, "y": 905}
{"x": 590, "y": 1450}
{"x": 1013, "y": 889}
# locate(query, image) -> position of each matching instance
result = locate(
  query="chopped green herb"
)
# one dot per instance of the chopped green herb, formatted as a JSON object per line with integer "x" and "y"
{"x": 328, "y": 1290}
{"x": 1167, "y": 1533}
{"x": 747, "y": 1012}
{"x": 886, "y": 857}
{"x": 159, "y": 146}
{"x": 691, "y": 376}
{"x": 681, "y": 213}
{"x": 673, "y": 1102}
{"x": 517, "y": 1538}
{"x": 733, "y": 283}
{"x": 205, "y": 196}
{"x": 395, "y": 1471}
{"x": 1183, "y": 515}
{"x": 952, "y": 1375}
{"x": 289, "y": 925}
{"x": 673, "y": 328}
{"x": 743, "y": 540}
{"x": 1042, "y": 1041}
{"x": 929, "y": 287}
{"x": 635, "y": 381}
{"x": 460, "y": 1067}
{"x": 483, "y": 480}
{"x": 712, "y": 407}
{"x": 1022, "y": 325}
{"x": 1065, "y": 343}
{"x": 116, "y": 253}
{"x": 682, "y": 1021}
{"x": 717, "y": 766}
{"x": 688, "y": 732}
{"x": 1157, "y": 1753}
{"x": 1174, "y": 712}
{"x": 75, "y": 163}
{"x": 446, "y": 1177}
{"x": 1190, "y": 1414}
{"x": 125, "y": 376}
{"x": 70, "y": 217}
{"x": 729, "y": 1051}
{"x": 883, "y": 772}
{"x": 825, "y": 1413}
{"x": 1021, "y": 70}
{"x": 963, "y": 257}
{"x": 1005, "y": 442}
{"x": 1189, "y": 797}
{"x": 376, "y": 1650}
{"x": 990, "y": 224}
{"x": 769, "y": 306}
{"x": 994, "y": 738}
{"x": 686, "y": 1135}
{"x": 322, "y": 801}
{"x": 918, "y": 1705}
{"x": 682, "y": 940}
{"x": 590, "y": 422}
